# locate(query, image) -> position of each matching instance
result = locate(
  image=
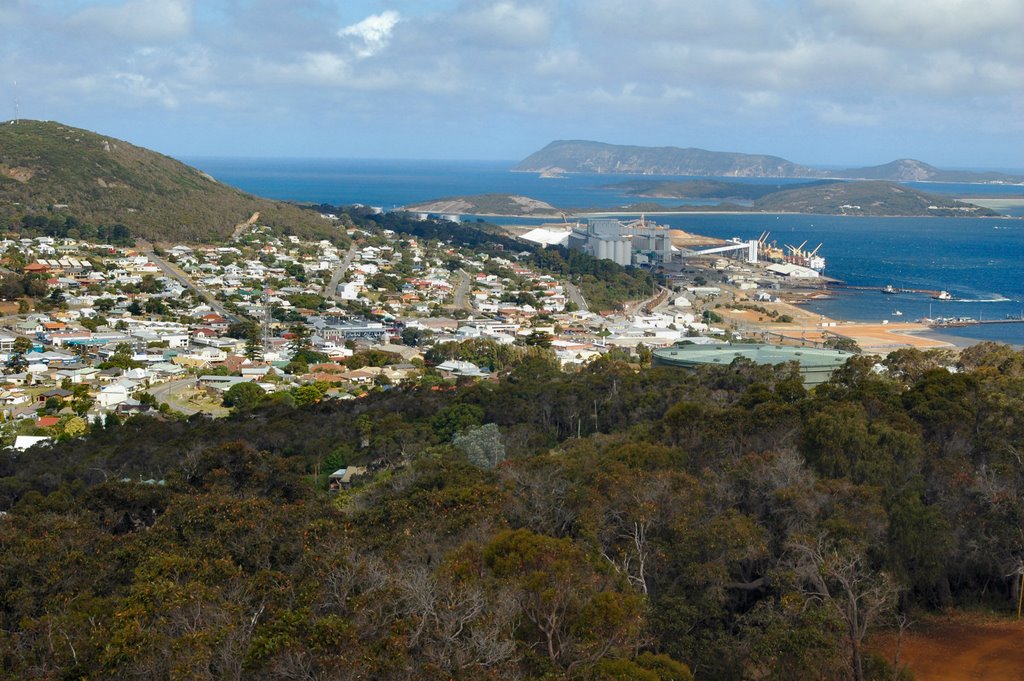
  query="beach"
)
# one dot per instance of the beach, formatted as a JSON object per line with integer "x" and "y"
{"x": 756, "y": 319}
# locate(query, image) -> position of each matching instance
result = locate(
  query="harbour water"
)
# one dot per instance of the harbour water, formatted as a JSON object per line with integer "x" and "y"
{"x": 979, "y": 261}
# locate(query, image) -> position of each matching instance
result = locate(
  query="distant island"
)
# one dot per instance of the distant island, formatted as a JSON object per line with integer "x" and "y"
{"x": 582, "y": 156}
{"x": 869, "y": 197}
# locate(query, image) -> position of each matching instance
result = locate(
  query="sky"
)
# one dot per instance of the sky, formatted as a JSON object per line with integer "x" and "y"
{"x": 821, "y": 82}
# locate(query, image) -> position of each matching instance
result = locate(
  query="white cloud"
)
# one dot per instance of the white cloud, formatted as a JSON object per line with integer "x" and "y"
{"x": 123, "y": 88}
{"x": 924, "y": 23}
{"x": 629, "y": 67}
{"x": 558, "y": 63}
{"x": 372, "y": 34}
{"x": 139, "y": 21}
{"x": 310, "y": 68}
{"x": 836, "y": 114}
{"x": 761, "y": 99}
{"x": 504, "y": 24}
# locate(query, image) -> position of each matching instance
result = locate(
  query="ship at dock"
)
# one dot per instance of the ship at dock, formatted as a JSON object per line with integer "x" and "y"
{"x": 794, "y": 255}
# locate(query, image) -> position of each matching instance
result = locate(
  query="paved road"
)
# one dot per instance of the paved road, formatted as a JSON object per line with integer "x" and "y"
{"x": 461, "y": 291}
{"x": 346, "y": 262}
{"x": 175, "y": 273}
{"x": 171, "y": 393}
{"x": 576, "y": 297}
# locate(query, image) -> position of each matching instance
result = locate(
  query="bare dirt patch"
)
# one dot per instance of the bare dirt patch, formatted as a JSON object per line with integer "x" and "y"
{"x": 22, "y": 175}
{"x": 961, "y": 647}
{"x": 681, "y": 239}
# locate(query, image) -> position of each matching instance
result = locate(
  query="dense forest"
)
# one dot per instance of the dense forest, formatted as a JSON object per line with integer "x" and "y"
{"x": 616, "y": 523}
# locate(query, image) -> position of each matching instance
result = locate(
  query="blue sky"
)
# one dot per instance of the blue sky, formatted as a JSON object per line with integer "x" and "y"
{"x": 831, "y": 82}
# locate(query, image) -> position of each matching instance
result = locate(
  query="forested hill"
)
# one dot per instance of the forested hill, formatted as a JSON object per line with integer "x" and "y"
{"x": 617, "y": 523}
{"x": 47, "y": 168}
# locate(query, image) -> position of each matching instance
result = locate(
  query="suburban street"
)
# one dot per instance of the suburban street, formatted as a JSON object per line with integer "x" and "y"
{"x": 576, "y": 297}
{"x": 339, "y": 272}
{"x": 461, "y": 291}
{"x": 175, "y": 273}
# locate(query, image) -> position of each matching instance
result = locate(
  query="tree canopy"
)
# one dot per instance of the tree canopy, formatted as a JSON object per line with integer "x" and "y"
{"x": 611, "y": 523}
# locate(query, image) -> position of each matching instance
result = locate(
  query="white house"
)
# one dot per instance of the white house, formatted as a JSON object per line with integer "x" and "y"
{"x": 112, "y": 395}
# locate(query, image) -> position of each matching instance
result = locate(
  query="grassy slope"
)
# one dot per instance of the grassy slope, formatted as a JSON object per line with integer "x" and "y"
{"x": 699, "y": 189}
{"x": 872, "y": 197}
{"x": 107, "y": 181}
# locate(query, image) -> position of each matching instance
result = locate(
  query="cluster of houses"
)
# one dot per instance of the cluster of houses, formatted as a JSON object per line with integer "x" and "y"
{"x": 105, "y": 302}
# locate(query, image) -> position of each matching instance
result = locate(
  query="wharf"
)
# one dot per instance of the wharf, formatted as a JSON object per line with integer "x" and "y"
{"x": 927, "y": 291}
{"x": 958, "y": 323}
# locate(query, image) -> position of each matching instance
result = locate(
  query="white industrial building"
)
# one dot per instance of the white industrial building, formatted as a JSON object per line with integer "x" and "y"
{"x": 603, "y": 239}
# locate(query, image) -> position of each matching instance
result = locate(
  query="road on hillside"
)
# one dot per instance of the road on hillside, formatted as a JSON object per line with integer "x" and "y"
{"x": 171, "y": 392}
{"x": 182, "y": 278}
{"x": 339, "y": 272}
{"x": 630, "y": 309}
{"x": 461, "y": 291}
{"x": 576, "y": 297}
{"x": 9, "y": 322}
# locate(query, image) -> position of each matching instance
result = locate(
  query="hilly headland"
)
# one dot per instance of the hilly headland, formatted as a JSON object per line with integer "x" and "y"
{"x": 54, "y": 170}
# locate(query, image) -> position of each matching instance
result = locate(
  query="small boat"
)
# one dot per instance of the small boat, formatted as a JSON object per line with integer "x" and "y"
{"x": 897, "y": 313}
{"x": 889, "y": 290}
{"x": 943, "y": 295}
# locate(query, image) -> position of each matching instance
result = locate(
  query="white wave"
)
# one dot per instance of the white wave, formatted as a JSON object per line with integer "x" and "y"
{"x": 1000, "y": 299}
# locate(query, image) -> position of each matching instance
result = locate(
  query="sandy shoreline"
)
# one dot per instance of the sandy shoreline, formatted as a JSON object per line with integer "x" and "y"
{"x": 809, "y": 328}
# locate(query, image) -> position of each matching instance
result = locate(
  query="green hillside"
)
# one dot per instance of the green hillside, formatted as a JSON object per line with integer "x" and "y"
{"x": 47, "y": 168}
{"x": 867, "y": 198}
{"x": 700, "y": 189}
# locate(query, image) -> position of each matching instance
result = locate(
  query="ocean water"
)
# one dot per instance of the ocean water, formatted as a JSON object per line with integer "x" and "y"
{"x": 979, "y": 261}
{"x": 391, "y": 183}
